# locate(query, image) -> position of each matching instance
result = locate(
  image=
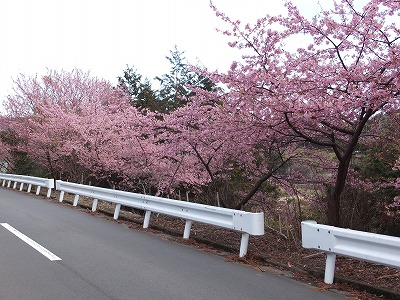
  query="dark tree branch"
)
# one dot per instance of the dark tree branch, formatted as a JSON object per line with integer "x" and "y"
{"x": 337, "y": 128}
{"x": 258, "y": 184}
{"x": 307, "y": 138}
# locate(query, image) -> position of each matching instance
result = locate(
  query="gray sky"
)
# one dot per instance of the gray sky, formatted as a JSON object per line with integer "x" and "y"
{"x": 103, "y": 36}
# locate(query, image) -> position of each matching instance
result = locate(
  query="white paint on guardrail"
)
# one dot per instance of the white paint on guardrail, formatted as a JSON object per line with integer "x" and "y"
{"x": 245, "y": 222}
{"x": 39, "y": 182}
{"x": 366, "y": 246}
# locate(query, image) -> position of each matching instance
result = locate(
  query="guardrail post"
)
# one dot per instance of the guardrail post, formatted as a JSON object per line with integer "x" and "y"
{"x": 146, "y": 221}
{"x": 76, "y": 200}
{"x": 48, "y": 192}
{"x": 9, "y": 183}
{"x": 116, "y": 212}
{"x": 330, "y": 268}
{"x": 38, "y": 190}
{"x": 244, "y": 244}
{"x": 186, "y": 233}
{"x": 29, "y": 188}
{"x": 15, "y": 185}
{"x": 4, "y": 182}
{"x": 94, "y": 206}
{"x": 61, "y": 196}
{"x": 21, "y": 187}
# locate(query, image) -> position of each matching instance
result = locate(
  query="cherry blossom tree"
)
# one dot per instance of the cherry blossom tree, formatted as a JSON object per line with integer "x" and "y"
{"x": 81, "y": 127}
{"x": 44, "y": 110}
{"x": 393, "y": 209}
{"x": 212, "y": 143}
{"x": 5, "y": 155}
{"x": 115, "y": 141}
{"x": 397, "y": 183}
{"x": 319, "y": 80}
{"x": 397, "y": 167}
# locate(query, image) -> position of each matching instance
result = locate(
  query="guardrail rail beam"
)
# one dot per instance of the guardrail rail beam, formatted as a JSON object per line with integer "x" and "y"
{"x": 30, "y": 180}
{"x": 246, "y": 223}
{"x": 366, "y": 246}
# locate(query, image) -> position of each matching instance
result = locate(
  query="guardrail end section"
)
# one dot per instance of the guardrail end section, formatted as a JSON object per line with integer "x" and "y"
{"x": 58, "y": 183}
{"x": 318, "y": 236}
{"x": 50, "y": 183}
{"x": 252, "y": 223}
{"x": 308, "y": 233}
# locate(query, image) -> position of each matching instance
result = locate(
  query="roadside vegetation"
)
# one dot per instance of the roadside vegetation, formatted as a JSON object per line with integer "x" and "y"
{"x": 300, "y": 132}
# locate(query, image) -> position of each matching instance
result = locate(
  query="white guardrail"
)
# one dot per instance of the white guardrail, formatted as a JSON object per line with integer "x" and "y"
{"x": 371, "y": 247}
{"x": 245, "y": 222}
{"x": 29, "y": 180}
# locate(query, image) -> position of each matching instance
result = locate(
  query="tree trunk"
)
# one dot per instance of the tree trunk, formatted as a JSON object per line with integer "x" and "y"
{"x": 343, "y": 169}
{"x": 334, "y": 199}
{"x": 52, "y": 171}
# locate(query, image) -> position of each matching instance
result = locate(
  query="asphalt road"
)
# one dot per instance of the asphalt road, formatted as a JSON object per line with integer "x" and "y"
{"x": 102, "y": 259}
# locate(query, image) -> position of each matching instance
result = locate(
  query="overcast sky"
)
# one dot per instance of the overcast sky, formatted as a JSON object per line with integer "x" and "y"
{"x": 103, "y": 36}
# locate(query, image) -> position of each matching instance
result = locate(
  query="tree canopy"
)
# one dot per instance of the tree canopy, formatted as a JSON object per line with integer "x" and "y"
{"x": 327, "y": 89}
{"x": 307, "y": 121}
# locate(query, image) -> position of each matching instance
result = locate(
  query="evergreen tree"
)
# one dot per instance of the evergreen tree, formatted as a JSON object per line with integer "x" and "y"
{"x": 177, "y": 87}
{"x": 143, "y": 95}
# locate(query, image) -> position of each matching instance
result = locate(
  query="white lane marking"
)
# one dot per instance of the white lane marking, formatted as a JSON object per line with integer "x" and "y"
{"x": 31, "y": 242}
